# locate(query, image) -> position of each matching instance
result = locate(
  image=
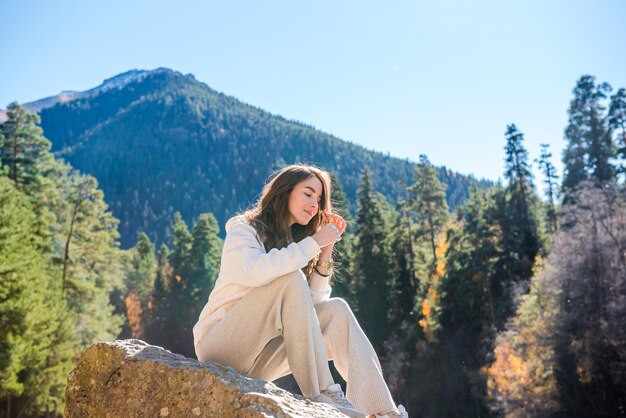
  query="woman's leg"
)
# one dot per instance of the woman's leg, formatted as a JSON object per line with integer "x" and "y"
{"x": 354, "y": 357}
{"x": 348, "y": 346}
{"x": 281, "y": 308}
{"x": 272, "y": 362}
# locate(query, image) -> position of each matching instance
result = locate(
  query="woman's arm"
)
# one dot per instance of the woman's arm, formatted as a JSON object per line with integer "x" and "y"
{"x": 319, "y": 282}
{"x": 260, "y": 268}
{"x": 319, "y": 287}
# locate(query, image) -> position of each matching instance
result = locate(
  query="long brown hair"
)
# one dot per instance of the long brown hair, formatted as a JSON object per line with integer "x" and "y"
{"x": 270, "y": 215}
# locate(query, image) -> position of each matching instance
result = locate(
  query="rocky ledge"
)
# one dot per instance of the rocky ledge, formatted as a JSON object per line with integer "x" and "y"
{"x": 130, "y": 378}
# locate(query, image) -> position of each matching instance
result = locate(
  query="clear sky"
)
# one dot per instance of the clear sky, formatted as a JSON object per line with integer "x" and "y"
{"x": 441, "y": 78}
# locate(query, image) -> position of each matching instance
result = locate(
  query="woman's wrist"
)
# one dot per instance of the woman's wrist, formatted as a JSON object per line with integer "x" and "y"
{"x": 324, "y": 267}
{"x": 323, "y": 274}
{"x": 326, "y": 253}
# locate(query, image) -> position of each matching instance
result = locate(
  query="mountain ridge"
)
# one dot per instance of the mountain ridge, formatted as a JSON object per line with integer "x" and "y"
{"x": 117, "y": 81}
{"x": 161, "y": 142}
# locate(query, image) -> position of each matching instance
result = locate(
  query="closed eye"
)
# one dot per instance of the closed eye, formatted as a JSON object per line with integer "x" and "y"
{"x": 309, "y": 195}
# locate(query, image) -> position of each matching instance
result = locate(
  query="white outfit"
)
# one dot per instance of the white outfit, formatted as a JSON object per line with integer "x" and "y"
{"x": 265, "y": 320}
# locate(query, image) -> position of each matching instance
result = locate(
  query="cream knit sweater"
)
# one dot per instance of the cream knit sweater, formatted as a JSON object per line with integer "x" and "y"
{"x": 246, "y": 265}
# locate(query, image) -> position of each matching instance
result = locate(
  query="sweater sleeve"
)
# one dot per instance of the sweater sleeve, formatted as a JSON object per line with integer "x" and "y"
{"x": 319, "y": 287}
{"x": 260, "y": 268}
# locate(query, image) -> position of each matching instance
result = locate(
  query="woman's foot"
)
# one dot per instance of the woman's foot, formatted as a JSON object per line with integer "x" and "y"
{"x": 393, "y": 414}
{"x": 333, "y": 395}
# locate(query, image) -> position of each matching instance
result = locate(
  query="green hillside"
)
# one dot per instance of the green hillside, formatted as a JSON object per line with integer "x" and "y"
{"x": 166, "y": 142}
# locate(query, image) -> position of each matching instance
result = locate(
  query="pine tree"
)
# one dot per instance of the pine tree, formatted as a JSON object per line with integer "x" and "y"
{"x": 35, "y": 356}
{"x": 590, "y": 147}
{"x": 469, "y": 290}
{"x": 185, "y": 277}
{"x": 405, "y": 292}
{"x": 143, "y": 264}
{"x": 182, "y": 242}
{"x": 139, "y": 284}
{"x": 204, "y": 267}
{"x": 431, "y": 300}
{"x": 373, "y": 281}
{"x": 550, "y": 178}
{"x": 400, "y": 345}
{"x": 171, "y": 312}
{"x": 617, "y": 123}
{"x": 77, "y": 238}
{"x": 601, "y": 146}
{"x": 517, "y": 170}
{"x": 205, "y": 256}
{"x": 160, "y": 301}
{"x": 429, "y": 201}
{"x": 23, "y": 148}
{"x": 25, "y": 156}
{"x": 92, "y": 266}
{"x": 449, "y": 367}
{"x": 518, "y": 220}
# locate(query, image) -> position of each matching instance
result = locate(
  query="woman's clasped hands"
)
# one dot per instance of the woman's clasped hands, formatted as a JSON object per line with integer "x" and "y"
{"x": 331, "y": 231}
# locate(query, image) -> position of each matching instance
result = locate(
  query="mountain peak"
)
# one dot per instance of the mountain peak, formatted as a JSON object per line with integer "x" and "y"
{"x": 116, "y": 82}
{"x": 120, "y": 80}
{"x": 130, "y": 76}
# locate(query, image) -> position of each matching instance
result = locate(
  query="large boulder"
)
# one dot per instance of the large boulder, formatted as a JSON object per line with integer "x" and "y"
{"x": 130, "y": 378}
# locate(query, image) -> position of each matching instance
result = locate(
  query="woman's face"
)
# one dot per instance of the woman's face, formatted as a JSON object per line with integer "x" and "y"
{"x": 304, "y": 201}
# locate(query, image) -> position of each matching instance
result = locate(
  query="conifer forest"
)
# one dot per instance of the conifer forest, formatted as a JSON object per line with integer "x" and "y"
{"x": 482, "y": 299}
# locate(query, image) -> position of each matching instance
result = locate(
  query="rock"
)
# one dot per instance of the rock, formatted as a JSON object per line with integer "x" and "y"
{"x": 130, "y": 378}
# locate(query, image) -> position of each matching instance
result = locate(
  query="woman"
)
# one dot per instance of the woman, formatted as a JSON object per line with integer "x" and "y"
{"x": 270, "y": 312}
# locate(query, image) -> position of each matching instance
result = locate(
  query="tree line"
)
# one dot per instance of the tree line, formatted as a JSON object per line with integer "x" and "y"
{"x": 511, "y": 305}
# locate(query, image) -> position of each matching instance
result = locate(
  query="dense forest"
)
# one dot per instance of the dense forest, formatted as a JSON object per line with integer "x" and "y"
{"x": 511, "y": 303}
{"x": 164, "y": 142}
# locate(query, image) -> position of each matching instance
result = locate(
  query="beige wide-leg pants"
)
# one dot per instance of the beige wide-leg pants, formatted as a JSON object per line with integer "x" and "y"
{"x": 275, "y": 330}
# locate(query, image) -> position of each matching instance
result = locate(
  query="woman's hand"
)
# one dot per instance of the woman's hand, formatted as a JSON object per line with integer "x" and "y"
{"x": 327, "y": 235}
{"x": 335, "y": 219}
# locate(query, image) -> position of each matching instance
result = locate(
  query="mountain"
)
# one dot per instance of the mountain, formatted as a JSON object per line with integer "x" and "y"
{"x": 118, "y": 81}
{"x": 160, "y": 142}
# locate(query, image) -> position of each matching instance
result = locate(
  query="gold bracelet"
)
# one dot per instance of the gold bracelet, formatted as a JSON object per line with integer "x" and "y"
{"x": 326, "y": 264}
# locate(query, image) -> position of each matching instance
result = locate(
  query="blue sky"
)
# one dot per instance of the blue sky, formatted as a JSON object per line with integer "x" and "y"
{"x": 441, "y": 78}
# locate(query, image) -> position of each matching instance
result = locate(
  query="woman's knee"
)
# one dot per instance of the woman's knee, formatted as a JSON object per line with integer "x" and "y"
{"x": 339, "y": 305}
{"x": 335, "y": 318}
{"x": 295, "y": 282}
{"x": 336, "y": 307}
